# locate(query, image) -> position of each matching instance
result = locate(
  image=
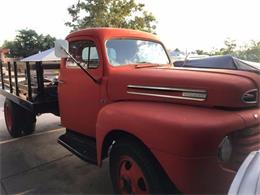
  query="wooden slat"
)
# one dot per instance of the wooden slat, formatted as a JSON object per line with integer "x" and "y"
{"x": 29, "y": 83}
{"x": 10, "y": 77}
{"x": 47, "y": 66}
{"x": 21, "y": 86}
{"x": 39, "y": 72}
{"x": 2, "y": 74}
{"x": 16, "y": 79}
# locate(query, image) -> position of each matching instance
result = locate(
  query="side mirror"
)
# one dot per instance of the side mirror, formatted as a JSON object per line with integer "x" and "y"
{"x": 61, "y": 48}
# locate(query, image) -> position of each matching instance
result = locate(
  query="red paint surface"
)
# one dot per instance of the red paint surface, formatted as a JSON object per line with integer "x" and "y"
{"x": 182, "y": 134}
{"x": 196, "y": 175}
{"x": 184, "y": 139}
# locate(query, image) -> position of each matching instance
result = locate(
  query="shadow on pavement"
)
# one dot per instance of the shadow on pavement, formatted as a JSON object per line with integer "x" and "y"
{"x": 37, "y": 164}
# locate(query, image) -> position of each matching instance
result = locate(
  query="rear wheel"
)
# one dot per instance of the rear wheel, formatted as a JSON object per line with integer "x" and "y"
{"x": 133, "y": 170}
{"x": 19, "y": 121}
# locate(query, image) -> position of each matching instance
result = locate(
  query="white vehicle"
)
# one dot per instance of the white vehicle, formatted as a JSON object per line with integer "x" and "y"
{"x": 247, "y": 179}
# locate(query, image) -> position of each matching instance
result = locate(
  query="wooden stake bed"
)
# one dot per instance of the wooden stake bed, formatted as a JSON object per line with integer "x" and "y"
{"x": 31, "y": 85}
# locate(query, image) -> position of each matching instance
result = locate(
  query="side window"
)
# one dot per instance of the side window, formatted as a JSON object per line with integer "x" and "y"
{"x": 84, "y": 52}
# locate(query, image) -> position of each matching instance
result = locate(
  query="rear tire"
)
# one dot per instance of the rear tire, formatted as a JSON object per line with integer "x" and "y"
{"x": 19, "y": 121}
{"x": 133, "y": 170}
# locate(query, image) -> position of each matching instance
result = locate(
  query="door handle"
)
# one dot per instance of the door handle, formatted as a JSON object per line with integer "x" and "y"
{"x": 60, "y": 81}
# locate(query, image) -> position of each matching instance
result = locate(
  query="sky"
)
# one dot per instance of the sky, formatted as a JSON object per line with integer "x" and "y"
{"x": 184, "y": 24}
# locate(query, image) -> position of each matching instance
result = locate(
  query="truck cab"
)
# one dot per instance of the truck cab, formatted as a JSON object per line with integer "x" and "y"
{"x": 101, "y": 52}
{"x": 164, "y": 129}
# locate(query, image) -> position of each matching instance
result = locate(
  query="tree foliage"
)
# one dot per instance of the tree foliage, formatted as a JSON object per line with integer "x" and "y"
{"x": 250, "y": 52}
{"x": 110, "y": 13}
{"x": 27, "y": 42}
{"x": 199, "y": 52}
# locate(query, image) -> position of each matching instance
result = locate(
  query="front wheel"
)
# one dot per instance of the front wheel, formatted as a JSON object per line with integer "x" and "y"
{"x": 19, "y": 121}
{"x": 133, "y": 170}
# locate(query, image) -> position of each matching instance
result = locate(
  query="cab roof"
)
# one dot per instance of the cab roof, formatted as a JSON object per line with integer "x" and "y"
{"x": 109, "y": 33}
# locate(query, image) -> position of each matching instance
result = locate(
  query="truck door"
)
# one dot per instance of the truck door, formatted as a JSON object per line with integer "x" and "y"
{"x": 79, "y": 96}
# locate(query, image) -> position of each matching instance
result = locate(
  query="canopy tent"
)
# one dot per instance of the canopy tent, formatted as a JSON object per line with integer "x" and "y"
{"x": 46, "y": 56}
{"x": 222, "y": 62}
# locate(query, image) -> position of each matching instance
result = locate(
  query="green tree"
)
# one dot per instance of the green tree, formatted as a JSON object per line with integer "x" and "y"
{"x": 201, "y": 52}
{"x": 229, "y": 49}
{"x": 110, "y": 13}
{"x": 250, "y": 52}
{"x": 27, "y": 42}
{"x": 230, "y": 46}
{"x": 177, "y": 50}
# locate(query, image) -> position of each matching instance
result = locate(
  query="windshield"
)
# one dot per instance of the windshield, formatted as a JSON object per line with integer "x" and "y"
{"x": 132, "y": 51}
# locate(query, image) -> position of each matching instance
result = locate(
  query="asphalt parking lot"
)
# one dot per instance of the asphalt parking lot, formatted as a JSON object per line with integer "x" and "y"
{"x": 37, "y": 164}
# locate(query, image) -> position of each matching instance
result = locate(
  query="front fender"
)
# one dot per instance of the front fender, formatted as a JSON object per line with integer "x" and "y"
{"x": 175, "y": 129}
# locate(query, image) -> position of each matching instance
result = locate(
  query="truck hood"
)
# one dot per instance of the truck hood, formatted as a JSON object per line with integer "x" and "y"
{"x": 201, "y": 87}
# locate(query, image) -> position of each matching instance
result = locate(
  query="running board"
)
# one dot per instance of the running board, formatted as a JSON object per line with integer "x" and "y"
{"x": 82, "y": 146}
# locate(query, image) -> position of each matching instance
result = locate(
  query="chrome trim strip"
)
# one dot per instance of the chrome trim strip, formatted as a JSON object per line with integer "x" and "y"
{"x": 165, "y": 96}
{"x": 166, "y": 88}
{"x": 249, "y": 91}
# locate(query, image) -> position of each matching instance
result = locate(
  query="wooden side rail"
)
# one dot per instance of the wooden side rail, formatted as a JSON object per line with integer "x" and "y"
{"x": 26, "y": 80}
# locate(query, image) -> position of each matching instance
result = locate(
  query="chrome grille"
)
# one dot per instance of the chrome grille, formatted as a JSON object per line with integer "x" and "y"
{"x": 243, "y": 142}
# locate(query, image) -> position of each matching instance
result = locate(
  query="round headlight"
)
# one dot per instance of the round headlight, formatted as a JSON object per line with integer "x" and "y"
{"x": 225, "y": 149}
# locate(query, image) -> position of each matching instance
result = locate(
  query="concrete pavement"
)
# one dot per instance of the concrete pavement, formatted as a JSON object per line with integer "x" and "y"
{"x": 36, "y": 164}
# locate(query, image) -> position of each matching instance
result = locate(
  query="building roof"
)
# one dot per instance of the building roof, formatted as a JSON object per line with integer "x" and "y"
{"x": 45, "y": 56}
{"x": 4, "y": 50}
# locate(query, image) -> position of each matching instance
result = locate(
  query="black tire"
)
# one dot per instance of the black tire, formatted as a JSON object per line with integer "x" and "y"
{"x": 19, "y": 121}
{"x": 156, "y": 182}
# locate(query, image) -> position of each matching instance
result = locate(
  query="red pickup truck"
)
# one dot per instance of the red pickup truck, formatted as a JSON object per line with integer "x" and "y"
{"x": 164, "y": 129}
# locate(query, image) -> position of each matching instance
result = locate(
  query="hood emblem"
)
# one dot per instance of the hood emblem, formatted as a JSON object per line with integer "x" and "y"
{"x": 194, "y": 95}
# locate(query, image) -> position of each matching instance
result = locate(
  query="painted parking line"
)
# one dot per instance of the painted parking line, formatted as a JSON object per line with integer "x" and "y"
{"x": 32, "y": 135}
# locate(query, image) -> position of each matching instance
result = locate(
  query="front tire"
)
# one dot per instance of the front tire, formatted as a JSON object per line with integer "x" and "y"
{"x": 19, "y": 121}
{"x": 133, "y": 170}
